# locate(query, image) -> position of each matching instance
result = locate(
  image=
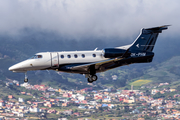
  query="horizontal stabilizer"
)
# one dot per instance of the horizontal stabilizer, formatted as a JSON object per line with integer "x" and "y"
{"x": 157, "y": 29}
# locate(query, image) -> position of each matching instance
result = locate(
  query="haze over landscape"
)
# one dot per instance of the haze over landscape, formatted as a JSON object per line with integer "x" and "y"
{"x": 29, "y": 27}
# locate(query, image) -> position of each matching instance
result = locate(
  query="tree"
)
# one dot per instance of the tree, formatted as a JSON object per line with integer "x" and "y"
{"x": 163, "y": 111}
{"x": 2, "y": 83}
{"x": 35, "y": 94}
{"x": 121, "y": 82}
{"x": 5, "y": 98}
{"x": 100, "y": 109}
{"x": 178, "y": 88}
{"x": 158, "y": 95}
{"x": 75, "y": 110}
{"x": 117, "y": 113}
{"x": 126, "y": 88}
{"x": 146, "y": 117}
{"x": 126, "y": 109}
{"x": 148, "y": 92}
{"x": 94, "y": 116}
{"x": 57, "y": 93}
{"x": 117, "y": 107}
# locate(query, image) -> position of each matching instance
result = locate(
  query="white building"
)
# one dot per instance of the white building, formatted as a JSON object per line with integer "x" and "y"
{"x": 62, "y": 119}
{"x": 1, "y": 103}
{"x": 21, "y": 99}
{"x": 154, "y": 91}
{"x": 15, "y": 82}
{"x": 114, "y": 77}
{"x": 22, "y": 107}
{"x": 24, "y": 85}
{"x": 20, "y": 114}
{"x": 81, "y": 97}
{"x": 35, "y": 109}
{"x": 51, "y": 89}
{"x": 93, "y": 103}
{"x": 111, "y": 106}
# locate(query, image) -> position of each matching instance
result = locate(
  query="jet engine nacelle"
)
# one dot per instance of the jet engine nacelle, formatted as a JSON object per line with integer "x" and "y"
{"x": 113, "y": 52}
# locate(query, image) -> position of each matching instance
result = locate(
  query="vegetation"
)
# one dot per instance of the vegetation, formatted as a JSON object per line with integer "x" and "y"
{"x": 140, "y": 82}
{"x": 14, "y": 49}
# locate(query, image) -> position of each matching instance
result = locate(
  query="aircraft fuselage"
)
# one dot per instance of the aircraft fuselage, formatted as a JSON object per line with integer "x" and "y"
{"x": 92, "y": 62}
{"x": 63, "y": 61}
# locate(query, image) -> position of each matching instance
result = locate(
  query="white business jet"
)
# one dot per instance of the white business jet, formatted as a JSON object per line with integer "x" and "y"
{"x": 92, "y": 62}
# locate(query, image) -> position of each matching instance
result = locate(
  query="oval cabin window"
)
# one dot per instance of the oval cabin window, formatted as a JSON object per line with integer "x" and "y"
{"x": 62, "y": 56}
{"x": 75, "y": 56}
{"x": 83, "y": 56}
{"x": 69, "y": 56}
{"x": 94, "y": 55}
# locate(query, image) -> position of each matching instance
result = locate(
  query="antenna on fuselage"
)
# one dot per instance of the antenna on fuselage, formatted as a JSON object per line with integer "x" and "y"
{"x": 95, "y": 49}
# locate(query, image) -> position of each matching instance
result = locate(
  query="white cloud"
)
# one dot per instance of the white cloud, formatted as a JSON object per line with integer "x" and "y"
{"x": 89, "y": 18}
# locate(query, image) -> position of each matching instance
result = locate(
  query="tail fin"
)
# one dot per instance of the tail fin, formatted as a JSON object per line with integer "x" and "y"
{"x": 147, "y": 38}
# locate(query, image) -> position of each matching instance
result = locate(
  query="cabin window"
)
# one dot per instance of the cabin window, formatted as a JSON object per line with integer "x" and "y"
{"x": 32, "y": 57}
{"x": 83, "y": 56}
{"x": 69, "y": 56}
{"x": 39, "y": 56}
{"x": 62, "y": 56}
{"x": 94, "y": 55}
{"x": 36, "y": 57}
{"x": 75, "y": 56}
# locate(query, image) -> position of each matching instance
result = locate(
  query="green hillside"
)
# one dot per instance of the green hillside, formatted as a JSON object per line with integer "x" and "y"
{"x": 140, "y": 82}
{"x": 14, "y": 50}
{"x": 166, "y": 71}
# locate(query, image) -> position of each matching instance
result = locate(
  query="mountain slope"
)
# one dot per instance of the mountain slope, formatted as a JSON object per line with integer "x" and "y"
{"x": 18, "y": 48}
{"x": 167, "y": 71}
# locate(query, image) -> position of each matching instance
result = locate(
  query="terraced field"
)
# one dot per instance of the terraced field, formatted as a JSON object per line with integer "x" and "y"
{"x": 140, "y": 82}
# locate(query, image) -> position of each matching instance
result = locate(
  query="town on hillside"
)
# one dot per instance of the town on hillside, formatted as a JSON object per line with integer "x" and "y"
{"x": 44, "y": 102}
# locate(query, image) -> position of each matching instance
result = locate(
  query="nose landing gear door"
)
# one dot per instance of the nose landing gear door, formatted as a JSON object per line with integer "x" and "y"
{"x": 54, "y": 60}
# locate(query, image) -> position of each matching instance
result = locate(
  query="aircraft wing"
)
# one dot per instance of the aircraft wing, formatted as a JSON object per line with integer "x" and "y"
{"x": 85, "y": 67}
{"x": 96, "y": 64}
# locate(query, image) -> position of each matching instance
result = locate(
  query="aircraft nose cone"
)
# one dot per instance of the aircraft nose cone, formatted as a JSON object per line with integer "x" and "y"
{"x": 10, "y": 68}
{"x": 14, "y": 67}
{"x": 20, "y": 67}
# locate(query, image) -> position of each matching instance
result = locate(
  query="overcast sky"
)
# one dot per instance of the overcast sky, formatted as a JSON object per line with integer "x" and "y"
{"x": 76, "y": 19}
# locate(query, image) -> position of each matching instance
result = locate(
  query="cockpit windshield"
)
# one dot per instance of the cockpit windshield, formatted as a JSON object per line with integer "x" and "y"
{"x": 36, "y": 57}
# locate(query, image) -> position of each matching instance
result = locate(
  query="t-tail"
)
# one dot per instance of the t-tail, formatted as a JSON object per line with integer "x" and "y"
{"x": 147, "y": 39}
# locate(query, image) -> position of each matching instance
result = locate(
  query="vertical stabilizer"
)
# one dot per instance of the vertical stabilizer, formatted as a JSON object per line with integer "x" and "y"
{"x": 147, "y": 38}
